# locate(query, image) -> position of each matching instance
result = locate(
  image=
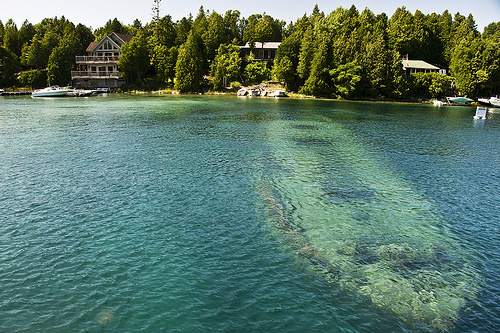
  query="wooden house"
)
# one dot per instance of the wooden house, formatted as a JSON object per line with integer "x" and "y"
{"x": 419, "y": 66}
{"x": 99, "y": 67}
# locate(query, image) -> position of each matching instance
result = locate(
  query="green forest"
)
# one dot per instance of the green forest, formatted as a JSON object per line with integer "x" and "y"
{"x": 345, "y": 54}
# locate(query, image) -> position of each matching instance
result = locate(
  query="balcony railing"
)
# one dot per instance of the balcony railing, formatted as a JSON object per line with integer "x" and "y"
{"x": 95, "y": 59}
{"x": 95, "y": 75}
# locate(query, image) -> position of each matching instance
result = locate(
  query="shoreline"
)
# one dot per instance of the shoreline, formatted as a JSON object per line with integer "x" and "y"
{"x": 291, "y": 95}
{"x": 13, "y": 91}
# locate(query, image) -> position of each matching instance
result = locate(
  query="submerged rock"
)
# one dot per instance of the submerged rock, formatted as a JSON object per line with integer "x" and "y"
{"x": 105, "y": 317}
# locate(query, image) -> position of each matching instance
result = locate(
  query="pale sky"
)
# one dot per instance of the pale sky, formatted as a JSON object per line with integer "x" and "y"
{"x": 95, "y": 13}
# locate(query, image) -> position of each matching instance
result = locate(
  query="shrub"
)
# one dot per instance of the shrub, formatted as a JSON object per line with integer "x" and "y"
{"x": 433, "y": 84}
{"x": 235, "y": 85}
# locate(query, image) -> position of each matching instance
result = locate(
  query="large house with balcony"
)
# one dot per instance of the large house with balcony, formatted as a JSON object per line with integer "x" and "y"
{"x": 99, "y": 68}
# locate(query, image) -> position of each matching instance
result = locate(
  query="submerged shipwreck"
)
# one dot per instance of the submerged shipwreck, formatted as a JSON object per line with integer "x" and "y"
{"x": 361, "y": 226}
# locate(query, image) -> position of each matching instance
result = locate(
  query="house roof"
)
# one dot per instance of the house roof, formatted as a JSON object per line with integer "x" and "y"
{"x": 117, "y": 38}
{"x": 267, "y": 45}
{"x": 419, "y": 64}
{"x": 91, "y": 46}
{"x": 125, "y": 37}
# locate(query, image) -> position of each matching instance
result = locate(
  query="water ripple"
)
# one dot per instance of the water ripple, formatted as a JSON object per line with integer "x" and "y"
{"x": 128, "y": 213}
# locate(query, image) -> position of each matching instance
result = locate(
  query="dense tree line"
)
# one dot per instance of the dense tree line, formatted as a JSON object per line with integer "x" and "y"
{"x": 345, "y": 54}
{"x": 44, "y": 52}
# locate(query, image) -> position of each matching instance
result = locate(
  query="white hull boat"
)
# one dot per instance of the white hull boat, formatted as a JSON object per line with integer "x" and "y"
{"x": 79, "y": 93}
{"x": 278, "y": 93}
{"x": 53, "y": 91}
{"x": 242, "y": 92}
{"x": 492, "y": 101}
{"x": 495, "y": 101}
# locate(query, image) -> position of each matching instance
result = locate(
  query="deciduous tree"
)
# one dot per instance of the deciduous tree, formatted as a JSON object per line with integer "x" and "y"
{"x": 135, "y": 59}
{"x": 226, "y": 65}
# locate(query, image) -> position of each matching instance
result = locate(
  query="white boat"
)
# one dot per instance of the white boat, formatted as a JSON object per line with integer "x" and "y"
{"x": 1, "y": 92}
{"x": 242, "y": 92}
{"x": 278, "y": 93}
{"x": 493, "y": 101}
{"x": 52, "y": 91}
{"x": 79, "y": 92}
{"x": 481, "y": 113}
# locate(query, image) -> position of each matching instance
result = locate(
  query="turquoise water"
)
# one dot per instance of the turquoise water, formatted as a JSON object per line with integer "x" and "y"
{"x": 201, "y": 214}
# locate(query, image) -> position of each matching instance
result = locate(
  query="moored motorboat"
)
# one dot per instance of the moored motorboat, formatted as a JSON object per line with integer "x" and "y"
{"x": 52, "y": 91}
{"x": 459, "y": 100}
{"x": 492, "y": 101}
{"x": 495, "y": 101}
{"x": 79, "y": 92}
{"x": 242, "y": 92}
{"x": 278, "y": 93}
{"x": 485, "y": 101}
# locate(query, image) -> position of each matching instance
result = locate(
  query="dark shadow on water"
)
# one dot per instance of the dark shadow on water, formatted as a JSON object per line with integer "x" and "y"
{"x": 305, "y": 127}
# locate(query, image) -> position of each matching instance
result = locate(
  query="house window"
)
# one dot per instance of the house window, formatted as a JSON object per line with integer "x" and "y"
{"x": 110, "y": 69}
{"x": 93, "y": 69}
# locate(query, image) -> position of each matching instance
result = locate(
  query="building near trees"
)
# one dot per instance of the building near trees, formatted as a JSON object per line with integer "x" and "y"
{"x": 419, "y": 66}
{"x": 266, "y": 52}
{"x": 99, "y": 68}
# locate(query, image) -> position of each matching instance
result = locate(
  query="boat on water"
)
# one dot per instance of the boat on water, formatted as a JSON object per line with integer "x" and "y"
{"x": 1, "y": 92}
{"x": 492, "y": 101}
{"x": 79, "y": 92}
{"x": 248, "y": 92}
{"x": 278, "y": 93}
{"x": 52, "y": 91}
{"x": 495, "y": 101}
{"x": 242, "y": 92}
{"x": 459, "y": 100}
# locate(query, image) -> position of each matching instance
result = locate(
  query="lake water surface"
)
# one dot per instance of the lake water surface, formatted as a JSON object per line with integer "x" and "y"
{"x": 222, "y": 214}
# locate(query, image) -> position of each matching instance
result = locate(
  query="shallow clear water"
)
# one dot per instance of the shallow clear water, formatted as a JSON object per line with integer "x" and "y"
{"x": 195, "y": 214}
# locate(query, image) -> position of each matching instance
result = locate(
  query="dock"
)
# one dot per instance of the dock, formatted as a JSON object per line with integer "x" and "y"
{"x": 16, "y": 93}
